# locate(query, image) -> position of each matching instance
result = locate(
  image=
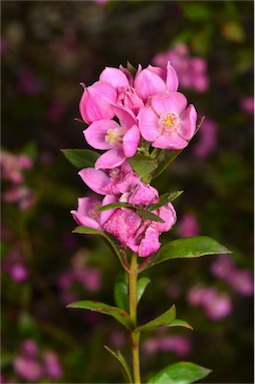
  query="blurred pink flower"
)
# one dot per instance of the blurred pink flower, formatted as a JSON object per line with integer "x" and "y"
{"x": 191, "y": 71}
{"x": 247, "y": 104}
{"x": 12, "y": 166}
{"x": 23, "y": 196}
{"x": 240, "y": 279}
{"x": 188, "y": 226}
{"x": 52, "y": 365}
{"x": 15, "y": 267}
{"x": 175, "y": 343}
{"x": 206, "y": 138}
{"x": 216, "y": 305}
{"x": 28, "y": 368}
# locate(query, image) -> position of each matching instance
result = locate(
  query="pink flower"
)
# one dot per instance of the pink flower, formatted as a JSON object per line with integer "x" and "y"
{"x": 138, "y": 234}
{"x": 242, "y": 281}
{"x": 87, "y": 213}
{"x": 120, "y": 140}
{"x": 96, "y": 102}
{"x": 175, "y": 343}
{"x": 154, "y": 80}
{"x": 167, "y": 123}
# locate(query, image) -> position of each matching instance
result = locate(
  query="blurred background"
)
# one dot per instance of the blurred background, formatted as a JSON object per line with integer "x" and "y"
{"x": 47, "y": 49}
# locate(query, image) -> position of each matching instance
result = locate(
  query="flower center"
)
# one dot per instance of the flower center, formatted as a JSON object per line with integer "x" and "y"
{"x": 114, "y": 135}
{"x": 93, "y": 212}
{"x": 168, "y": 121}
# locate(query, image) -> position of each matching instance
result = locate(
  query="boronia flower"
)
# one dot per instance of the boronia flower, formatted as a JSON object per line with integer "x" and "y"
{"x": 120, "y": 140}
{"x": 167, "y": 123}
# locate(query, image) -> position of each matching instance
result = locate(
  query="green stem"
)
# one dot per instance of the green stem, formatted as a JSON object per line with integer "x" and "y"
{"x": 135, "y": 336}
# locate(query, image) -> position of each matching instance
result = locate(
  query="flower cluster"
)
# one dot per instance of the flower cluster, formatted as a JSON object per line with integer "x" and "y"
{"x": 33, "y": 365}
{"x": 12, "y": 168}
{"x": 127, "y": 115}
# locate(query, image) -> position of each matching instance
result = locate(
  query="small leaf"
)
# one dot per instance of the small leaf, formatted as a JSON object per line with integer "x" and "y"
{"x": 123, "y": 364}
{"x": 149, "y": 215}
{"x": 115, "y": 205}
{"x": 81, "y": 158}
{"x": 164, "y": 199}
{"x": 120, "y": 315}
{"x": 163, "y": 320}
{"x": 109, "y": 240}
{"x": 87, "y": 230}
{"x": 142, "y": 283}
{"x": 120, "y": 291}
{"x": 188, "y": 247}
{"x": 143, "y": 166}
{"x": 180, "y": 373}
{"x": 164, "y": 159}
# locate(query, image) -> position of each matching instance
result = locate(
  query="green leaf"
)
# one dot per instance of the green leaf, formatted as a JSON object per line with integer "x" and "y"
{"x": 109, "y": 240}
{"x": 180, "y": 373}
{"x": 81, "y": 158}
{"x": 167, "y": 319}
{"x": 188, "y": 247}
{"x": 164, "y": 159}
{"x": 149, "y": 215}
{"x": 164, "y": 199}
{"x": 141, "y": 285}
{"x": 120, "y": 291}
{"x": 120, "y": 315}
{"x": 82, "y": 229}
{"x": 143, "y": 166}
{"x": 116, "y": 205}
{"x": 123, "y": 364}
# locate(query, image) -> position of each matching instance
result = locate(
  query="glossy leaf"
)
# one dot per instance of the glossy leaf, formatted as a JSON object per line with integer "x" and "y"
{"x": 180, "y": 373}
{"x": 143, "y": 166}
{"x": 167, "y": 319}
{"x": 120, "y": 291}
{"x": 81, "y": 158}
{"x": 111, "y": 242}
{"x": 142, "y": 283}
{"x": 120, "y": 315}
{"x": 188, "y": 247}
{"x": 164, "y": 199}
{"x": 123, "y": 364}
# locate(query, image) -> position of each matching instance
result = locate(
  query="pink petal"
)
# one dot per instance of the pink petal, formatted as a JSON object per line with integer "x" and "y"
{"x": 95, "y": 179}
{"x": 105, "y": 215}
{"x": 147, "y": 83}
{"x": 170, "y": 141}
{"x": 96, "y": 132}
{"x": 148, "y": 124}
{"x": 127, "y": 118}
{"x": 149, "y": 244}
{"x": 172, "y": 102}
{"x": 188, "y": 123}
{"x": 168, "y": 214}
{"x": 115, "y": 77}
{"x": 130, "y": 141}
{"x": 172, "y": 81}
{"x": 96, "y": 102}
{"x": 111, "y": 159}
{"x": 83, "y": 214}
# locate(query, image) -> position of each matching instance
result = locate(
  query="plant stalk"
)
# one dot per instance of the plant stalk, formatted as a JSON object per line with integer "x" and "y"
{"x": 135, "y": 336}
